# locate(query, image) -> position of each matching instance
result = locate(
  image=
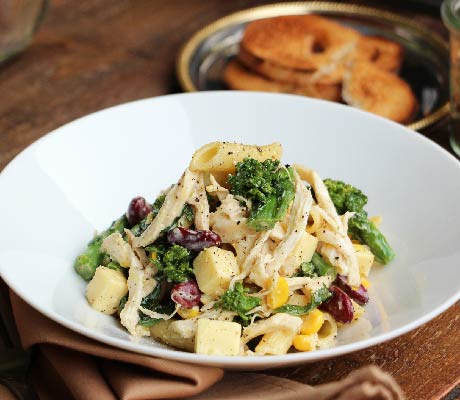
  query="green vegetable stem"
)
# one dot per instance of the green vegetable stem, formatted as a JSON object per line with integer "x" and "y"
{"x": 366, "y": 232}
{"x": 318, "y": 266}
{"x": 86, "y": 263}
{"x": 348, "y": 198}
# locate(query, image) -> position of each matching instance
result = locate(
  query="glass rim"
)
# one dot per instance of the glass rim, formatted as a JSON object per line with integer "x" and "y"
{"x": 450, "y": 13}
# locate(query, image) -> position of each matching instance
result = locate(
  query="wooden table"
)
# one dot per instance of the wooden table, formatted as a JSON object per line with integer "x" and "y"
{"x": 92, "y": 54}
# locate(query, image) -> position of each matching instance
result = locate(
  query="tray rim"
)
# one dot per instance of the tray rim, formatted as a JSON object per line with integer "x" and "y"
{"x": 304, "y": 7}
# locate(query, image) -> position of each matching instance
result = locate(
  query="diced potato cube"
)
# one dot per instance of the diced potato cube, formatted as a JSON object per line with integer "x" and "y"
{"x": 276, "y": 342}
{"x": 180, "y": 334}
{"x": 106, "y": 289}
{"x": 297, "y": 299}
{"x": 214, "y": 268}
{"x": 365, "y": 258}
{"x": 221, "y": 338}
{"x": 303, "y": 252}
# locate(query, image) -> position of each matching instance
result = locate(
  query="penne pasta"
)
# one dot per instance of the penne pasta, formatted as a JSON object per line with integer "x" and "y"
{"x": 327, "y": 334}
{"x": 223, "y": 156}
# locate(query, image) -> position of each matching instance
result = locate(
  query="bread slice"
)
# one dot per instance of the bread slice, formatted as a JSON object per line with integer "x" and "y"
{"x": 370, "y": 88}
{"x": 305, "y": 42}
{"x": 381, "y": 52}
{"x": 237, "y": 77}
{"x": 331, "y": 74}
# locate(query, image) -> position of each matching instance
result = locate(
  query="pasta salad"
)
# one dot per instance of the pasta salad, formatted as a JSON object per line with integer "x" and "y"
{"x": 242, "y": 256}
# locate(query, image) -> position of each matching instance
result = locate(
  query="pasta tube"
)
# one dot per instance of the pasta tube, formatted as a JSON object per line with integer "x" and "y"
{"x": 223, "y": 156}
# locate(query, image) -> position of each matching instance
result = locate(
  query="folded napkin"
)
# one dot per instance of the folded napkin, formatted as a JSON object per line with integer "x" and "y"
{"x": 70, "y": 366}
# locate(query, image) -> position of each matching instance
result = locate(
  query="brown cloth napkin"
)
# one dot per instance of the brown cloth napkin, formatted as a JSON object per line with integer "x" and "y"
{"x": 70, "y": 366}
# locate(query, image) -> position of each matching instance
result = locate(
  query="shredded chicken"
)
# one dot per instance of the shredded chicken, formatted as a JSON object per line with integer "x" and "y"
{"x": 274, "y": 323}
{"x": 120, "y": 251}
{"x": 215, "y": 189}
{"x": 244, "y": 246}
{"x": 172, "y": 208}
{"x": 255, "y": 259}
{"x": 258, "y": 269}
{"x": 312, "y": 284}
{"x": 335, "y": 245}
{"x": 199, "y": 202}
{"x": 150, "y": 270}
{"x": 277, "y": 233}
{"x": 263, "y": 263}
{"x": 140, "y": 252}
{"x": 153, "y": 314}
{"x": 229, "y": 220}
{"x": 297, "y": 225}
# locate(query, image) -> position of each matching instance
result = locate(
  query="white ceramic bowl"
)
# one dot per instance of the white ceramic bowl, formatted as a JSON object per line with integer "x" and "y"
{"x": 82, "y": 176}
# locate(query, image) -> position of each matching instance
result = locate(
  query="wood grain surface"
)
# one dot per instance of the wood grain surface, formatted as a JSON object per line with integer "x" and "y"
{"x": 92, "y": 54}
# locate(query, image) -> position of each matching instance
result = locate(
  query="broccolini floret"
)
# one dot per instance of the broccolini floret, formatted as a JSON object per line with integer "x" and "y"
{"x": 268, "y": 185}
{"x": 348, "y": 198}
{"x": 345, "y": 197}
{"x": 86, "y": 263}
{"x": 239, "y": 301}
{"x": 175, "y": 264}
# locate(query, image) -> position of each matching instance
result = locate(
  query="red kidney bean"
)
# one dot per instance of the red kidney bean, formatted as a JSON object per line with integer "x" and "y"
{"x": 186, "y": 294}
{"x": 137, "y": 210}
{"x": 339, "y": 305}
{"x": 359, "y": 294}
{"x": 193, "y": 240}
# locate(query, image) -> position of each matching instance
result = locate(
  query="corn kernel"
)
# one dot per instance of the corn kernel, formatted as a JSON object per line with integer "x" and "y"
{"x": 153, "y": 256}
{"x": 377, "y": 220}
{"x": 304, "y": 342}
{"x": 365, "y": 282}
{"x": 279, "y": 294}
{"x": 312, "y": 322}
{"x": 187, "y": 313}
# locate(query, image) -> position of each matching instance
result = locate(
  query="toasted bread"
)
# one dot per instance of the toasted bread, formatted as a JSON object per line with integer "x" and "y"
{"x": 328, "y": 75}
{"x": 237, "y": 77}
{"x": 378, "y": 91}
{"x": 381, "y": 52}
{"x": 305, "y": 42}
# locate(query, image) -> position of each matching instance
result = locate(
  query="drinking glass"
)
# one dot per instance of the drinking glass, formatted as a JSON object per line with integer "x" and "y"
{"x": 19, "y": 20}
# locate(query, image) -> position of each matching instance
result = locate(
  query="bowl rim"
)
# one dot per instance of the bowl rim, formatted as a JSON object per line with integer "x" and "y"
{"x": 188, "y": 49}
{"x": 257, "y": 362}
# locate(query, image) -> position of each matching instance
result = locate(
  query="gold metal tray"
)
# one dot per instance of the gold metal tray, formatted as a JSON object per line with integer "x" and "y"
{"x": 425, "y": 68}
